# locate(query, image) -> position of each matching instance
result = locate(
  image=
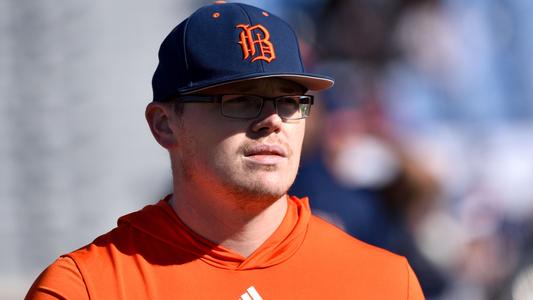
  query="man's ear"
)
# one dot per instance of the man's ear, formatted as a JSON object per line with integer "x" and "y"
{"x": 159, "y": 117}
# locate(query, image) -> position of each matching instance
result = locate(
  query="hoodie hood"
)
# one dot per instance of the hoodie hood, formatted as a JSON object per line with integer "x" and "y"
{"x": 160, "y": 222}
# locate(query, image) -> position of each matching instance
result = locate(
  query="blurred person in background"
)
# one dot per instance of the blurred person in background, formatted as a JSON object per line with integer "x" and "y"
{"x": 229, "y": 106}
{"x": 370, "y": 186}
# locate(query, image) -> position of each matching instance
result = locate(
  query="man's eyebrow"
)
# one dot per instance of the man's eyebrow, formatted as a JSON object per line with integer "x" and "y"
{"x": 288, "y": 89}
{"x": 291, "y": 90}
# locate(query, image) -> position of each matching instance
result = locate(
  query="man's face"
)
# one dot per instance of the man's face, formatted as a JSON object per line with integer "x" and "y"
{"x": 245, "y": 159}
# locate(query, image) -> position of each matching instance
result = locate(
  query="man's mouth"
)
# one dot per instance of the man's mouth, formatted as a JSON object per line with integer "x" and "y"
{"x": 263, "y": 149}
{"x": 266, "y": 154}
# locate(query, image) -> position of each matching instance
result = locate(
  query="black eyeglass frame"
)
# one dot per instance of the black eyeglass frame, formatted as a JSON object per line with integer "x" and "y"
{"x": 304, "y": 99}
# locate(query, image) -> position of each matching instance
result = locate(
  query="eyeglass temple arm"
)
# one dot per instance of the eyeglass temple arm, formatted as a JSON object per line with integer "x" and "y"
{"x": 198, "y": 98}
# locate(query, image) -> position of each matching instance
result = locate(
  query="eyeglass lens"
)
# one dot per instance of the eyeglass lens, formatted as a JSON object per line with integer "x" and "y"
{"x": 249, "y": 106}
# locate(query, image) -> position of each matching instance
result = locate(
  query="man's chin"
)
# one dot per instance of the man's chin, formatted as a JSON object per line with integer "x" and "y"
{"x": 261, "y": 195}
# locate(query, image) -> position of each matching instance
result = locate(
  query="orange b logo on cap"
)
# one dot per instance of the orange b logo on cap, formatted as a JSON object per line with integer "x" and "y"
{"x": 253, "y": 38}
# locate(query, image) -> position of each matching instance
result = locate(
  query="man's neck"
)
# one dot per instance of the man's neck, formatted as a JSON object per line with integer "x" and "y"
{"x": 239, "y": 228}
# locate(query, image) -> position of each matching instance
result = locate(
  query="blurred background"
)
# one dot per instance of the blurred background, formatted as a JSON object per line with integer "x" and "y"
{"x": 424, "y": 146}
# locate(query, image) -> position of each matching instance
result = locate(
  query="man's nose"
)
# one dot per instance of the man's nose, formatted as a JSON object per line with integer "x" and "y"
{"x": 268, "y": 120}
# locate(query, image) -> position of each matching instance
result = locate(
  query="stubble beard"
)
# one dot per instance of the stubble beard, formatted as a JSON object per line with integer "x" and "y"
{"x": 243, "y": 186}
{"x": 255, "y": 192}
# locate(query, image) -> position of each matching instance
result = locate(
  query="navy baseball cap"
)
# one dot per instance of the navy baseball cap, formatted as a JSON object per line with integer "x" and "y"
{"x": 229, "y": 42}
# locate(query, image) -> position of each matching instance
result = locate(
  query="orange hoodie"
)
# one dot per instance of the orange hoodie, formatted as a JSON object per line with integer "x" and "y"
{"x": 151, "y": 254}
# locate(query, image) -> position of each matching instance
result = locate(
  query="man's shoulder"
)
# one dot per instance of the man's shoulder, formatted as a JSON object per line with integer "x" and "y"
{"x": 332, "y": 241}
{"x": 329, "y": 249}
{"x": 99, "y": 254}
{"x": 69, "y": 275}
{"x": 150, "y": 233}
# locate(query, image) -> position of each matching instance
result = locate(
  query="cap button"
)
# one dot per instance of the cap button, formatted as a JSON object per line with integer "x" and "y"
{"x": 220, "y": 2}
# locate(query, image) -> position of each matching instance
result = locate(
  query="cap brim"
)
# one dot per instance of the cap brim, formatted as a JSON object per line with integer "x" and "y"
{"x": 310, "y": 81}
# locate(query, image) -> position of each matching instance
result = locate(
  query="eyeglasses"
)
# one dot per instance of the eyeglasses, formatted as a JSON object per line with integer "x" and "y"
{"x": 250, "y": 106}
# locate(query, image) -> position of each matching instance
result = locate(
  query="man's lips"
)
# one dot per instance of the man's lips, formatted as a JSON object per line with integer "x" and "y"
{"x": 266, "y": 150}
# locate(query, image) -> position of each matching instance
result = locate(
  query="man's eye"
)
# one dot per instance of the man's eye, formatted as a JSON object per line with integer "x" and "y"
{"x": 288, "y": 102}
{"x": 243, "y": 101}
{"x": 237, "y": 99}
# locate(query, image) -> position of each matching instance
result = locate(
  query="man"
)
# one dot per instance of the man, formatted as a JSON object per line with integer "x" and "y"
{"x": 229, "y": 106}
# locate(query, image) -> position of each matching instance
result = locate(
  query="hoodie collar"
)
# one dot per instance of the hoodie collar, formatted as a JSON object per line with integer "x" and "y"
{"x": 161, "y": 222}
